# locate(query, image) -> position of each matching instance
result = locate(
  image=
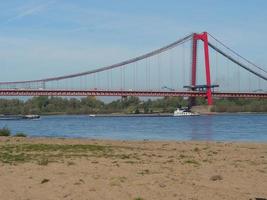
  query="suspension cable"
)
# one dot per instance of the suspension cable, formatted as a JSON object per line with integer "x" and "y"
{"x": 147, "y": 55}
{"x": 228, "y": 48}
{"x": 237, "y": 62}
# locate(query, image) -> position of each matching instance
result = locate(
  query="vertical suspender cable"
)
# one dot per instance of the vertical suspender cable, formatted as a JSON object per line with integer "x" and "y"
{"x": 183, "y": 64}
{"x": 171, "y": 68}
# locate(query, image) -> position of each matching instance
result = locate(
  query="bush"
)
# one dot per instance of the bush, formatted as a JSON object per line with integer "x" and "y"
{"x": 4, "y": 131}
{"x": 20, "y": 135}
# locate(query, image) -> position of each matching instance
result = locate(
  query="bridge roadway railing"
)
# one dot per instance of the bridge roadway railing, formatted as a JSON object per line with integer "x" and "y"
{"x": 141, "y": 93}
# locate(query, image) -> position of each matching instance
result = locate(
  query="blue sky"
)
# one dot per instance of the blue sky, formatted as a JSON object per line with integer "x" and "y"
{"x": 43, "y": 38}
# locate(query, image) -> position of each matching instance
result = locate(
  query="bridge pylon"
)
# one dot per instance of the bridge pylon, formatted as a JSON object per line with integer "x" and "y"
{"x": 204, "y": 37}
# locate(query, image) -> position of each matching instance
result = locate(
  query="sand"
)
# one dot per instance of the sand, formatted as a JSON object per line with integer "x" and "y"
{"x": 97, "y": 169}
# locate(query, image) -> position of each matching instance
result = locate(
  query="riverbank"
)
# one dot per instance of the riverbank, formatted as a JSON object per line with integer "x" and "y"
{"x": 44, "y": 168}
{"x": 131, "y": 105}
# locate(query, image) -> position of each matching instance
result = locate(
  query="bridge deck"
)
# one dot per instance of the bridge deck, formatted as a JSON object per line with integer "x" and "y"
{"x": 36, "y": 92}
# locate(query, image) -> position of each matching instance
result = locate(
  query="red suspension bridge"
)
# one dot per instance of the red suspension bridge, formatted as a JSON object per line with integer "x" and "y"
{"x": 178, "y": 69}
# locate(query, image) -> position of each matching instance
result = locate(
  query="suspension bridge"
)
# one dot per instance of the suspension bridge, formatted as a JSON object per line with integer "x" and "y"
{"x": 198, "y": 65}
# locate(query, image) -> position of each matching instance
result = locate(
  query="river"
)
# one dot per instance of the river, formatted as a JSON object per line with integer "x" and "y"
{"x": 225, "y": 127}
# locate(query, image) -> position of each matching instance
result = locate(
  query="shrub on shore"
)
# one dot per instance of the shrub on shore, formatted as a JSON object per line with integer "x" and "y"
{"x": 4, "y": 131}
{"x": 20, "y": 135}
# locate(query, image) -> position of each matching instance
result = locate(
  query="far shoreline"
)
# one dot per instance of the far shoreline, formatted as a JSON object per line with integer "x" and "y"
{"x": 143, "y": 114}
{"x": 118, "y": 115}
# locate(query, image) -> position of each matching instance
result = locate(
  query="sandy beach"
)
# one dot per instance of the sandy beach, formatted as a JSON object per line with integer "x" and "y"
{"x": 49, "y": 169}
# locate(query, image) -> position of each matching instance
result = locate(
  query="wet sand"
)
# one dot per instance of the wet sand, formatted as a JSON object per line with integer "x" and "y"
{"x": 49, "y": 169}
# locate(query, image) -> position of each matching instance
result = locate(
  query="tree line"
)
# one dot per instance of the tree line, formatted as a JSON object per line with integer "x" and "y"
{"x": 92, "y": 105}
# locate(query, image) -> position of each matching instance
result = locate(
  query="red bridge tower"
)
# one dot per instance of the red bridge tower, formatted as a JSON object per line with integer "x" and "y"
{"x": 204, "y": 37}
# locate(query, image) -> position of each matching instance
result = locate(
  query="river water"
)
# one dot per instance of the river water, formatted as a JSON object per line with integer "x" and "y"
{"x": 230, "y": 127}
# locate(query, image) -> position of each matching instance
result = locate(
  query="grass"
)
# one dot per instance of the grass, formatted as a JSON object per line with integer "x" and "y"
{"x": 42, "y": 154}
{"x": 5, "y": 131}
{"x": 7, "y": 157}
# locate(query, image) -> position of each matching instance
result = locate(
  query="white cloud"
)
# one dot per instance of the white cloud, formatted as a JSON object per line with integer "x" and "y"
{"x": 32, "y": 10}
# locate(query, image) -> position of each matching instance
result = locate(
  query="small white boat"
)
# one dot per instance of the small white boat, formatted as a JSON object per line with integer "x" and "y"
{"x": 91, "y": 115}
{"x": 31, "y": 117}
{"x": 18, "y": 117}
{"x": 183, "y": 112}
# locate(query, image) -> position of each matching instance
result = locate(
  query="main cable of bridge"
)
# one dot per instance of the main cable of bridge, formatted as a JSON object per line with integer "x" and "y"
{"x": 237, "y": 54}
{"x": 238, "y": 62}
{"x": 120, "y": 64}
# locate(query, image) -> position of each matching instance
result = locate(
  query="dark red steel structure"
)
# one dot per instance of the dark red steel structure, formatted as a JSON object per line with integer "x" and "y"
{"x": 204, "y": 38}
